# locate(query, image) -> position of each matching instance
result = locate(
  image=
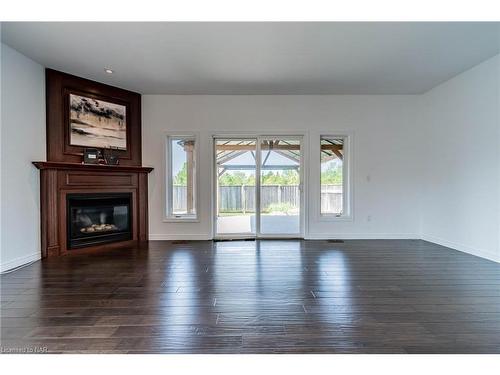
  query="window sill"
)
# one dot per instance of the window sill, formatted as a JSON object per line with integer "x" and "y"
{"x": 331, "y": 218}
{"x": 181, "y": 220}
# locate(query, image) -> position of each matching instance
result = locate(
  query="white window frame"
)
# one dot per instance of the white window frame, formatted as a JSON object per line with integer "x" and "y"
{"x": 347, "y": 214}
{"x": 169, "y": 216}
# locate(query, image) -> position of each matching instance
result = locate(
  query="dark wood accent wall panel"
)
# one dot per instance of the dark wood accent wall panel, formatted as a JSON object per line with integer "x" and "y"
{"x": 64, "y": 173}
{"x": 58, "y": 87}
{"x": 60, "y": 179}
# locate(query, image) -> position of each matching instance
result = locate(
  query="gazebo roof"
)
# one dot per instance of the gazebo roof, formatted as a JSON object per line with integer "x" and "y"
{"x": 227, "y": 150}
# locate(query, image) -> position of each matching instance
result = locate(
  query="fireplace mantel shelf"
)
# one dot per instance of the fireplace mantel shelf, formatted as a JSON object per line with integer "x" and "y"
{"x": 90, "y": 167}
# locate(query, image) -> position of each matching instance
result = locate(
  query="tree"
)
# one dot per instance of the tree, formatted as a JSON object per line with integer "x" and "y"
{"x": 239, "y": 178}
{"x": 236, "y": 178}
{"x": 287, "y": 177}
{"x": 332, "y": 175}
{"x": 180, "y": 178}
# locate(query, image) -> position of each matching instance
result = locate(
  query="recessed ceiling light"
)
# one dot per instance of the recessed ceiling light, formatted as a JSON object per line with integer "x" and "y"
{"x": 107, "y": 70}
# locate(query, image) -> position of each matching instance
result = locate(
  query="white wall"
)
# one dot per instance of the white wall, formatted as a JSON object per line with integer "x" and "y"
{"x": 22, "y": 141}
{"x": 383, "y": 148}
{"x": 460, "y": 124}
{"x": 433, "y": 160}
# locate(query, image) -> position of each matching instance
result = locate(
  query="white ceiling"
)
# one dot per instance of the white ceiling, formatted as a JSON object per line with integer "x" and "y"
{"x": 259, "y": 58}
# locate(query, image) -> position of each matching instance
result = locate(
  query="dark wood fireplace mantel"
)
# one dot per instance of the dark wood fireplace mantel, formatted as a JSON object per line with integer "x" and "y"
{"x": 58, "y": 179}
{"x": 91, "y": 167}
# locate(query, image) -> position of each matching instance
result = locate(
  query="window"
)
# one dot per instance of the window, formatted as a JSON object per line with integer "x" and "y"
{"x": 334, "y": 177}
{"x": 181, "y": 178}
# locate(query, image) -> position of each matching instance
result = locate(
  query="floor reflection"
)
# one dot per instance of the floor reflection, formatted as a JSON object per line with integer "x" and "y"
{"x": 332, "y": 288}
{"x": 180, "y": 304}
{"x": 254, "y": 279}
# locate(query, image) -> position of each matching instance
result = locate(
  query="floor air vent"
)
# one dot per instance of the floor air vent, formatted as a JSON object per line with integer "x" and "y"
{"x": 335, "y": 241}
{"x": 232, "y": 239}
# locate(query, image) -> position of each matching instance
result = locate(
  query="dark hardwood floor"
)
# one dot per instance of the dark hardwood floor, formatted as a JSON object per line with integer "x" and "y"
{"x": 374, "y": 296}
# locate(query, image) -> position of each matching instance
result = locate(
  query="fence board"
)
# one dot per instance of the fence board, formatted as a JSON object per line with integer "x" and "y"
{"x": 242, "y": 198}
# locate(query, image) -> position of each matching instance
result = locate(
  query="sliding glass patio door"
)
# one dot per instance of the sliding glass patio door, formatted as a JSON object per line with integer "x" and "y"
{"x": 236, "y": 171}
{"x": 280, "y": 187}
{"x": 258, "y": 187}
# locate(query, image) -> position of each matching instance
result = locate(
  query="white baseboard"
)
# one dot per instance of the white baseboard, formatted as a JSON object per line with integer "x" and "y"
{"x": 463, "y": 248}
{"x": 17, "y": 262}
{"x": 362, "y": 236}
{"x": 356, "y": 236}
{"x": 313, "y": 236}
{"x": 180, "y": 237}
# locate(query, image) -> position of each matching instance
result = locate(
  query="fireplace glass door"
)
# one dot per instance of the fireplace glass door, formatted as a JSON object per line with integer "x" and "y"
{"x": 98, "y": 218}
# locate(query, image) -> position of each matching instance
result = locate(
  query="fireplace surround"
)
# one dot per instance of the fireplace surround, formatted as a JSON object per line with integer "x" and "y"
{"x": 111, "y": 202}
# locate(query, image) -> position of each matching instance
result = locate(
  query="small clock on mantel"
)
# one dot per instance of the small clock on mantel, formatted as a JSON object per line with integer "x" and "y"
{"x": 91, "y": 156}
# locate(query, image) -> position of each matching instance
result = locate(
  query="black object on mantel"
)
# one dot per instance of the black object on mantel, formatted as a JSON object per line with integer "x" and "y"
{"x": 110, "y": 156}
{"x": 91, "y": 155}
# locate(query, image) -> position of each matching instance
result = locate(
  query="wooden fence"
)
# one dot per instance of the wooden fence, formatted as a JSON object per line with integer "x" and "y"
{"x": 242, "y": 198}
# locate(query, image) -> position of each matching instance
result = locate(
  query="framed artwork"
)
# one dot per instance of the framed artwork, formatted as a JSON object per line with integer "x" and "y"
{"x": 97, "y": 123}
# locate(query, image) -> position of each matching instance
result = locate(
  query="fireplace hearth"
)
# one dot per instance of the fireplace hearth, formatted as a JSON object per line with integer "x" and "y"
{"x": 98, "y": 218}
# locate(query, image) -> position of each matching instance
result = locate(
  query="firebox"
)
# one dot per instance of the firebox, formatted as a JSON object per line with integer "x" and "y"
{"x": 95, "y": 218}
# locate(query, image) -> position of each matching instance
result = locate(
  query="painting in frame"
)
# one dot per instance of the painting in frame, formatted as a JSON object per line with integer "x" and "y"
{"x": 97, "y": 123}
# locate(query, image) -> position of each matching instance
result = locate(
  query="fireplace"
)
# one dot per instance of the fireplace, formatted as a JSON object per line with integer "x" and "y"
{"x": 69, "y": 191}
{"x": 98, "y": 218}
